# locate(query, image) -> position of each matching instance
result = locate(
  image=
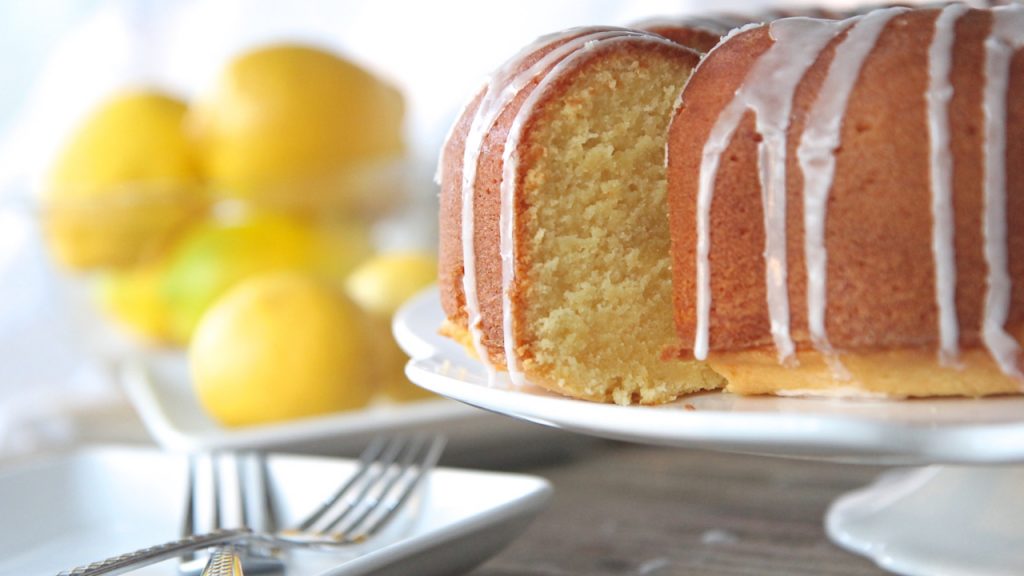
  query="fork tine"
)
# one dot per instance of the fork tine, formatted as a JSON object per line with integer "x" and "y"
{"x": 240, "y": 461}
{"x": 188, "y": 524}
{"x": 387, "y": 479}
{"x": 225, "y": 560}
{"x": 384, "y": 463}
{"x": 268, "y": 514}
{"x": 203, "y": 505}
{"x": 426, "y": 464}
{"x": 188, "y": 527}
{"x": 215, "y": 475}
{"x": 366, "y": 460}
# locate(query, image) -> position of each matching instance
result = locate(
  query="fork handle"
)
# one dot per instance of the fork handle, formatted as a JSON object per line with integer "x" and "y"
{"x": 224, "y": 562}
{"x": 146, "y": 556}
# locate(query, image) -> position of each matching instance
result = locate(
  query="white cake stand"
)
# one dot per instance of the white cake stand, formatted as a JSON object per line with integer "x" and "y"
{"x": 960, "y": 514}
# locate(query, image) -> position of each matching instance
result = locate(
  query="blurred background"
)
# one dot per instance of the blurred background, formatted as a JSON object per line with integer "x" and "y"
{"x": 153, "y": 155}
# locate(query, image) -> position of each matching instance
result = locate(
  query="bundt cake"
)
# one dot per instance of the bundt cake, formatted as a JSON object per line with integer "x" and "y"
{"x": 840, "y": 217}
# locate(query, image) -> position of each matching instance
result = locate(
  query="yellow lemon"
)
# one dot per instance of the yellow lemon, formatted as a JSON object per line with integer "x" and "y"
{"x": 125, "y": 184}
{"x": 383, "y": 283}
{"x": 134, "y": 298}
{"x": 216, "y": 255}
{"x": 380, "y": 286}
{"x": 299, "y": 127}
{"x": 278, "y": 347}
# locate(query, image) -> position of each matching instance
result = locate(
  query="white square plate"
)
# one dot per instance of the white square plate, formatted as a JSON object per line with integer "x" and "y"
{"x": 71, "y": 510}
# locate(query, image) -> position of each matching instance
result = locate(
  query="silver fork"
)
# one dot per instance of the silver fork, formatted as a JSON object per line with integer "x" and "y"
{"x": 388, "y": 474}
{"x": 231, "y": 559}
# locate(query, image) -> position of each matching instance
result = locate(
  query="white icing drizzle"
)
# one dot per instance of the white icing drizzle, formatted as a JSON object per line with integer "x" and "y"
{"x": 487, "y": 112}
{"x": 439, "y": 172}
{"x": 1007, "y": 35}
{"x": 680, "y": 100}
{"x": 816, "y": 154}
{"x": 767, "y": 90}
{"x": 469, "y": 272}
{"x": 507, "y": 225}
{"x": 508, "y": 189}
{"x": 719, "y": 23}
{"x": 501, "y": 89}
{"x": 939, "y": 93}
{"x": 491, "y": 81}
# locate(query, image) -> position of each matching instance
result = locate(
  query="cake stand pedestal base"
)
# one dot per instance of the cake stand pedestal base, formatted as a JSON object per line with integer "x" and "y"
{"x": 938, "y": 520}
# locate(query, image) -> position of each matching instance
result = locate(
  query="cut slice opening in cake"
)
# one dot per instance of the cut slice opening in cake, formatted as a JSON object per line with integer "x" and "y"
{"x": 593, "y": 282}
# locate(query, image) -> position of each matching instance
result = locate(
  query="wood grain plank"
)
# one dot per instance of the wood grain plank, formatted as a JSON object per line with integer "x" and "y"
{"x": 636, "y": 510}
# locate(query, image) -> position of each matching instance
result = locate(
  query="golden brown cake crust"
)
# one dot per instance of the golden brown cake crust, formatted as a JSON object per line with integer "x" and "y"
{"x": 450, "y": 262}
{"x": 880, "y": 276}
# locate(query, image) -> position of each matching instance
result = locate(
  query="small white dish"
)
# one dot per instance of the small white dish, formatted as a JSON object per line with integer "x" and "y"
{"x": 70, "y": 510}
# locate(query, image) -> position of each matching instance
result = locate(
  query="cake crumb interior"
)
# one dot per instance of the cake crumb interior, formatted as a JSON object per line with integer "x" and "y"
{"x": 597, "y": 286}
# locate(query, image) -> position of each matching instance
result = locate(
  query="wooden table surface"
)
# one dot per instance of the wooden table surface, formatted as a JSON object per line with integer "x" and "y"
{"x": 622, "y": 509}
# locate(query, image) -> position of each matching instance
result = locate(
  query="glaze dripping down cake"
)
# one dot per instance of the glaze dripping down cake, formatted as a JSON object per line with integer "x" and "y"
{"x": 702, "y": 33}
{"x": 834, "y": 211}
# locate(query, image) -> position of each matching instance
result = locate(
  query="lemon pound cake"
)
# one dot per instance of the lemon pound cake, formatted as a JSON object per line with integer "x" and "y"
{"x": 847, "y": 206}
{"x": 554, "y": 228}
